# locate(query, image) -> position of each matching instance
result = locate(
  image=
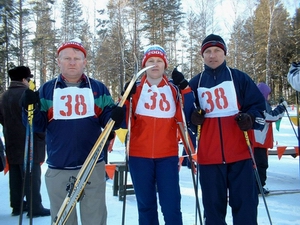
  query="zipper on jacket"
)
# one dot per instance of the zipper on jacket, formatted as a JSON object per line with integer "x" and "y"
{"x": 221, "y": 140}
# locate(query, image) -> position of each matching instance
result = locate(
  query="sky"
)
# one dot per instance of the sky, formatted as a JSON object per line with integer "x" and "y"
{"x": 282, "y": 174}
{"x": 224, "y": 12}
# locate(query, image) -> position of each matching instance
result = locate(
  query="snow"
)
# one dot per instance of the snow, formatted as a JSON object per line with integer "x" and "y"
{"x": 282, "y": 174}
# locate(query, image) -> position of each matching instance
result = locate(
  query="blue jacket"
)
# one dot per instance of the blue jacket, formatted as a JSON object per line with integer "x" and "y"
{"x": 221, "y": 140}
{"x": 70, "y": 141}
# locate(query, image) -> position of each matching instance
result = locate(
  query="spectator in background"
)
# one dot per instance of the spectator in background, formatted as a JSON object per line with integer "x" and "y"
{"x": 2, "y": 156}
{"x": 264, "y": 138}
{"x": 293, "y": 76}
{"x": 14, "y": 135}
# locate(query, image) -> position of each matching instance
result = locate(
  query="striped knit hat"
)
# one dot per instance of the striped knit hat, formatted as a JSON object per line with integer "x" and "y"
{"x": 213, "y": 40}
{"x": 75, "y": 43}
{"x": 154, "y": 51}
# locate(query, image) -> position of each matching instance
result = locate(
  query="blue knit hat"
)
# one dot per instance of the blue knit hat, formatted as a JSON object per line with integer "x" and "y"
{"x": 264, "y": 89}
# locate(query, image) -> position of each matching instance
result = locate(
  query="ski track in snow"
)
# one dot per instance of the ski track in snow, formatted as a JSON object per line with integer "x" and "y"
{"x": 282, "y": 174}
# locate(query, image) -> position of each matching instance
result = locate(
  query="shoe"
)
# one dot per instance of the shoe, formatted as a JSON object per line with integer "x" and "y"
{"x": 265, "y": 191}
{"x": 42, "y": 212}
{"x": 17, "y": 212}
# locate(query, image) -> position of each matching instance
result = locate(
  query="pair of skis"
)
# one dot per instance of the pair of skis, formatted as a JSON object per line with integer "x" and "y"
{"x": 282, "y": 192}
{"x": 77, "y": 187}
{"x": 28, "y": 152}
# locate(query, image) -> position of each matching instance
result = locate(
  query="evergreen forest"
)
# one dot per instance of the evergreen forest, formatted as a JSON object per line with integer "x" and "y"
{"x": 262, "y": 37}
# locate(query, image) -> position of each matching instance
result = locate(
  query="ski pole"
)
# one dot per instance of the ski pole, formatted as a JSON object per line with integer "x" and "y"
{"x": 127, "y": 145}
{"x": 256, "y": 174}
{"x": 186, "y": 140}
{"x": 298, "y": 124}
{"x": 288, "y": 115}
{"x": 24, "y": 171}
{"x": 126, "y": 160}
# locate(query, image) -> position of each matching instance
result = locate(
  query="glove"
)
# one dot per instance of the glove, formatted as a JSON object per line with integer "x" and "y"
{"x": 118, "y": 115}
{"x": 30, "y": 97}
{"x": 179, "y": 80}
{"x": 284, "y": 104}
{"x": 244, "y": 121}
{"x": 197, "y": 116}
{"x": 111, "y": 135}
{"x": 132, "y": 91}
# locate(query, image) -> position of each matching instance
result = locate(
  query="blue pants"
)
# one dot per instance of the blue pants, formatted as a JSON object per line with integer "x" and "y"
{"x": 150, "y": 176}
{"x": 236, "y": 179}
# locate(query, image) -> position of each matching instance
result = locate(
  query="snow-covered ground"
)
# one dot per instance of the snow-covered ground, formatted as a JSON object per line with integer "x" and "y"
{"x": 282, "y": 174}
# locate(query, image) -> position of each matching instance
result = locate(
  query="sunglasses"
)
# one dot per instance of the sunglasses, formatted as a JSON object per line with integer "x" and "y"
{"x": 28, "y": 79}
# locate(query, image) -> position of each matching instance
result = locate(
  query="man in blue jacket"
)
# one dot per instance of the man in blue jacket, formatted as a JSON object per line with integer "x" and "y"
{"x": 74, "y": 108}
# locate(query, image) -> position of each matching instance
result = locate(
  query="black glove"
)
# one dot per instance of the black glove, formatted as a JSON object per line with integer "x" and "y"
{"x": 283, "y": 103}
{"x": 118, "y": 115}
{"x": 179, "y": 80}
{"x": 111, "y": 135}
{"x": 197, "y": 116}
{"x": 30, "y": 97}
{"x": 132, "y": 91}
{"x": 244, "y": 121}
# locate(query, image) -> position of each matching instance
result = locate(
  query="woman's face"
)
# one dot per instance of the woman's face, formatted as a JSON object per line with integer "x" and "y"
{"x": 159, "y": 67}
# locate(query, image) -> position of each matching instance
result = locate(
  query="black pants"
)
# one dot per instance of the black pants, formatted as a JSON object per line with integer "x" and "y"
{"x": 261, "y": 159}
{"x": 16, "y": 184}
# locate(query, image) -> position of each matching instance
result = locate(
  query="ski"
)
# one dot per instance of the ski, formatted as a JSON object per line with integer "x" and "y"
{"x": 75, "y": 190}
{"x": 282, "y": 192}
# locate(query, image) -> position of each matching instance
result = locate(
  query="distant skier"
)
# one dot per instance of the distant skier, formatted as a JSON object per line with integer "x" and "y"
{"x": 293, "y": 76}
{"x": 263, "y": 139}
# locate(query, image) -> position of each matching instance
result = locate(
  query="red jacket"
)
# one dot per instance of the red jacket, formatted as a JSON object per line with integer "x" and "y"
{"x": 151, "y": 136}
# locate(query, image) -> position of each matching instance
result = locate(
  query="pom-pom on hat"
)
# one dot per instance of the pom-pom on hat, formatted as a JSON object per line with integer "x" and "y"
{"x": 19, "y": 72}
{"x": 264, "y": 89}
{"x": 75, "y": 43}
{"x": 154, "y": 51}
{"x": 213, "y": 40}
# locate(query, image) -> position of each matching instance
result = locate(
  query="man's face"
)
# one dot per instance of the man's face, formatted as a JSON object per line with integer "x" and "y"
{"x": 71, "y": 63}
{"x": 213, "y": 57}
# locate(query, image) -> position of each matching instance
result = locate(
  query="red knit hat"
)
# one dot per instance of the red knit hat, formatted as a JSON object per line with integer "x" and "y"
{"x": 155, "y": 51}
{"x": 213, "y": 40}
{"x": 75, "y": 43}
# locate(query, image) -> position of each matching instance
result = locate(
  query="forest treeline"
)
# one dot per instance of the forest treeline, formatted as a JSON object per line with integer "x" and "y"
{"x": 263, "y": 40}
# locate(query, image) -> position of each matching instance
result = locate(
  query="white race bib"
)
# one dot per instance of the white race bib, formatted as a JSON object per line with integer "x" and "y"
{"x": 73, "y": 103}
{"x": 156, "y": 102}
{"x": 218, "y": 101}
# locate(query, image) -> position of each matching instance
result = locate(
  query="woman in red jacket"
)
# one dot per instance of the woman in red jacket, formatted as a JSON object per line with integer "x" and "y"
{"x": 153, "y": 148}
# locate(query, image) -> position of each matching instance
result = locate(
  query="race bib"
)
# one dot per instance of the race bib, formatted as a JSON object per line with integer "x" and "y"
{"x": 72, "y": 103}
{"x": 218, "y": 101}
{"x": 156, "y": 102}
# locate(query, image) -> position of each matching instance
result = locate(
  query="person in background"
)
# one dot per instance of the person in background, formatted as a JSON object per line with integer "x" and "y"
{"x": 2, "y": 156}
{"x": 228, "y": 104}
{"x": 153, "y": 147}
{"x": 263, "y": 139}
{"x": 74, "y": 108}
{"x": 14, "y": 135}
{"x": 293, "y": 76}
